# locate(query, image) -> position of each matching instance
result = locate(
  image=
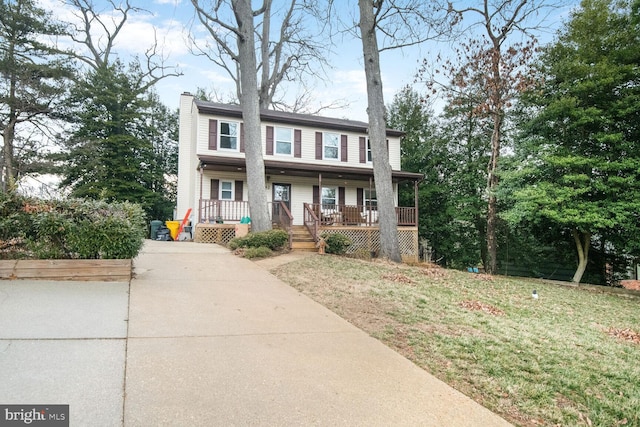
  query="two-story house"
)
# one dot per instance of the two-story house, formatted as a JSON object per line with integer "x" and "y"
{"x": 319, "y": 175}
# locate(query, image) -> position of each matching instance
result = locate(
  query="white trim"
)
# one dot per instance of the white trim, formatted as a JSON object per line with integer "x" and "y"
{"x": 275, "y": 141}
{"x": 232, "y": 190}
{"x": 324, "y": 141}
{"x": 220, "y": 135}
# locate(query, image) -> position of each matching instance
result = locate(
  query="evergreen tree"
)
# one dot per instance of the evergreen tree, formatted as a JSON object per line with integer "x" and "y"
{"x": 117, "y": 150}
{"x": 423, "y": 152}
{"x": 33, "y": 80}
{"x": 581, "y": 158}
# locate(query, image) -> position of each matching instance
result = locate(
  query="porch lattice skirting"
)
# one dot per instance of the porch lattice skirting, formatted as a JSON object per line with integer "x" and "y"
{"x": 366, "y": 239}
{"x": 214, "y": 233}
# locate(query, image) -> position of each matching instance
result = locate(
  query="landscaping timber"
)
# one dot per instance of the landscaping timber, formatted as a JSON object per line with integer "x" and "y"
{"x": 106, "y": 270}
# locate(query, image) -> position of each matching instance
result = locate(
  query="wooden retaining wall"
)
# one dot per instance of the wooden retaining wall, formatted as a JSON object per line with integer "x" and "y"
{"x": 105, "y": 270}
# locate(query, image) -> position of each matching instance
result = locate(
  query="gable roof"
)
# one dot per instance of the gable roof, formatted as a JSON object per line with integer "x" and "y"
{"x": 235, "y": 111}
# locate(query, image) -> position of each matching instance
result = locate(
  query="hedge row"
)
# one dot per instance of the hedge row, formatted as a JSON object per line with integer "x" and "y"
{"x": 69, "y": 229}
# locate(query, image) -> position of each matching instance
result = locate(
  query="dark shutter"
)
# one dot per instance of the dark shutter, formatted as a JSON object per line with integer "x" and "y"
{"x": 360, "y": 196}
{"x": 341, "y": 196}
{"x": 363, "y": 149}
{"x": 316, "y": 194}
{"x": 242, "y": 137}
{"x": 343, "y": 147}
{"x": 297, "y": 143}
{"x": 213, "y": 134}
{"x": 318, "y": 145}
{"x": 269, "y": 140}
{"x": 215, "y": 189}
{"x": 238, "y": 190}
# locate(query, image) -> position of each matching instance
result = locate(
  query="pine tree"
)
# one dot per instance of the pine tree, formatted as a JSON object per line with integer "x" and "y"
{"x": 33, "y": 81}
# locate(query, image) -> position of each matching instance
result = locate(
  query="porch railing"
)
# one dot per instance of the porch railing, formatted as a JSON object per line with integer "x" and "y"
{"x": 281, "y": 215}
{"x": 222, "y": 210}
{"x": 356, "y": 215}
{"x": 312, "y": 221}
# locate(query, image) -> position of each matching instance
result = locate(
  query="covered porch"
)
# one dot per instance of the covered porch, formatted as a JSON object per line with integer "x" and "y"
{"x": 340, "y": 210}
{"x": 298, "y": 197}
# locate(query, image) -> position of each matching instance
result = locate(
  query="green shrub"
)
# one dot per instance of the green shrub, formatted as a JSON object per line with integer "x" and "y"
{"x": 71, "y": 228}
{"x": 259, "y": 252}
{"x": 111, "y": 231}
{"x": 272, "y": 239}
{"x": 336, "y": 243}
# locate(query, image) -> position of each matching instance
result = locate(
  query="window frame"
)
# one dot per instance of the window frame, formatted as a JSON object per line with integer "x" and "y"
{"x": 335, "y": 197}
{"x": 370, "y": 202}
{"x": 325, "y": 136}
{"x": 225, "y": 135}
{"x": 369, "y": 154}
{"x": 222, "y": 190}
{"x": 276, "y": 141}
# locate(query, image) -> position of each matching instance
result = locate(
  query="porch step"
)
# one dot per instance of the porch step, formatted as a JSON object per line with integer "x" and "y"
{"x": 304, "y": 246}
{"x": 301, "y": 239}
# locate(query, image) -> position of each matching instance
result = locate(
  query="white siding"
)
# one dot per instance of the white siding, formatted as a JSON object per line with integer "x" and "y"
{"x": 193, "y": 141}
{"x": 187, "y": 159}
{"x": 308, "y": 146}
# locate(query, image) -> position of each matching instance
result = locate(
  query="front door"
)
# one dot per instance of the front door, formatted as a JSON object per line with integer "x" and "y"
{"x": 281, "y": 193}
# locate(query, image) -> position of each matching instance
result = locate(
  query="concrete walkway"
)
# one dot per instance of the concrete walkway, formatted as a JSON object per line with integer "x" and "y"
{"x": 201, "y": 337}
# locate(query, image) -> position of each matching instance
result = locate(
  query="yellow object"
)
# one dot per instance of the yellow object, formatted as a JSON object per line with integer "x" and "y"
{"x": 173, "y": 227}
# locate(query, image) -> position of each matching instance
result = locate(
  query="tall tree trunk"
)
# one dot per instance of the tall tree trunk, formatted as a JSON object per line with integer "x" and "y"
{"x": 492, "y": 187}
{"x": 263, "y": 94}
{"x": 389, "y": 242}
{"x": 8, "y": 171}
{"x": 249, "y": 102}
{"x": 583, "y": 242}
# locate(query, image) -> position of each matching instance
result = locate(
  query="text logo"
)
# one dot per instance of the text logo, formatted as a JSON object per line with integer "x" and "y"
{"x": 34, "y": 415}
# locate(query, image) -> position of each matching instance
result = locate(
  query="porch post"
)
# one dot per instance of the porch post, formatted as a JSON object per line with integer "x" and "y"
{"x": 415, "y": 201}
{"x": 369, "y": 207}
{"x": 200, "y": 197}
{"x": 320, "y": 192}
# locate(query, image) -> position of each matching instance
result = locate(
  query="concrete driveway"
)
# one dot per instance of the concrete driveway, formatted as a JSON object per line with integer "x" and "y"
{"x": 201, "y": 337}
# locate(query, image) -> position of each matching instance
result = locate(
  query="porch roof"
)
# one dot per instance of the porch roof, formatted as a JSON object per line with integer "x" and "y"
{"x": 280, "y": 168}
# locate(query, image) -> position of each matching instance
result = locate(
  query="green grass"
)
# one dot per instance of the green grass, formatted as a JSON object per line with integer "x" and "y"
{"x": 550, "y": 361}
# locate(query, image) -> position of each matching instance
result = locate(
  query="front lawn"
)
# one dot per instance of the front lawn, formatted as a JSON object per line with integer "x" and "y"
{"x": 570, "y": 357}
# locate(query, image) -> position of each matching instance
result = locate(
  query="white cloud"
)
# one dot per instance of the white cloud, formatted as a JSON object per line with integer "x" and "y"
{"x": 169, "y": 2}
{"x": 142, "y": 33}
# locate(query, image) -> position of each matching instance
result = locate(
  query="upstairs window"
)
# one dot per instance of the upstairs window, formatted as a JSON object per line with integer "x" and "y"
{"x": 229, "y": 135}
{"x": 284, "y": 141}
{"x": 369, "y": 156}
{"x": 331, "y": 146}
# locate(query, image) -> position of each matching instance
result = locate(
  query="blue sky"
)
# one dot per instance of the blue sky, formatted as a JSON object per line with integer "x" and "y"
{"x": 171, "y": 21}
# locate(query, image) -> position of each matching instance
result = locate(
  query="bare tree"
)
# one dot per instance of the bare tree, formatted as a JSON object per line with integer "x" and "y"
{"x": 497, "y": 64}
{"x": 250, "y": 104}
{"x": 233, "y": 28}
{"x": 98, "y": 31}
{"x": 390, "y": 245}
{"x": 402, "y": 23}
{"x": 287, "y": 48}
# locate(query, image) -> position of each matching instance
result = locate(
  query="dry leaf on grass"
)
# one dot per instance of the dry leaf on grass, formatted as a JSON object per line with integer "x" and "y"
{"x": 434, "y": 273}
{"x": 479, "y": 306}
{"x": 397, "y": 277}
{"x": 626, "y": 334}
